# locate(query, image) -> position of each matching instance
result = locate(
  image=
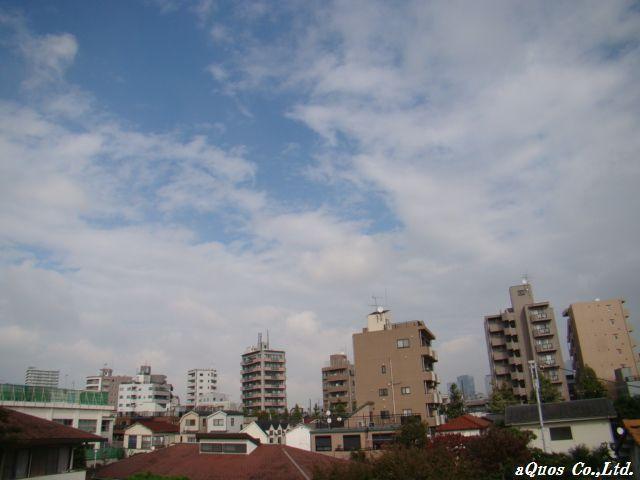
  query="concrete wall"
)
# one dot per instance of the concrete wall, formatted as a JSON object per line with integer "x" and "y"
{"x": 592, "y": 433}
{"x": 256, "y": 432}
{"x": 299, "y": 437}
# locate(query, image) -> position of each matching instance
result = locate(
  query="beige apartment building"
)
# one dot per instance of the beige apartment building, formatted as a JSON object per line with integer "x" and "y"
{"x": 599, "y": 336}
{"x": 338, "y": 384}
{"x": 394, "y": 365}
{"x": 264, "y": 378}
{"x": 526, "y": 331}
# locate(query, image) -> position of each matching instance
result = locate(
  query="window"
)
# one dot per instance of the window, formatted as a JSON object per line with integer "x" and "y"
{"x": 191, "y": 422}
{"x": 64, "y": 421}
{"x": 133, "y": 441}
{"x": 88, "y": 425}
{"x": 104, "y": 427}
{"x": 560, "y": 433}
{"x": 407, "y": 412}
{"x": 232, "y": 421}
{"x": 351, "y": 442}
{"x": 402, "y": 343}
{"x": 383, "y": 392}
{"x": 323, "y": 444}
{"x": 383, "y": 369}
{"x": 223, "y": 447}
{"x": 384, "y": 414}
{"x": 146, "y": 442}
{"x": 218, "y": 422}
{"x": 521, "y": 292}
{"x": 405, "y": 390}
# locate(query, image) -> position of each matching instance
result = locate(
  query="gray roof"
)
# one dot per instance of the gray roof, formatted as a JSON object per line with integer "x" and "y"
{"x": 561, "y": 411}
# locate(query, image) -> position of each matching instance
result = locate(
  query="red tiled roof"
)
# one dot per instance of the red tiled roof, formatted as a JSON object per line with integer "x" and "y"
{"x": 158, "y": 426}
{"x": 29, "y": 430}
{"x": 265, "y": 462}
{"x": 465, "y": 422}
{"x": 633, "y": 427}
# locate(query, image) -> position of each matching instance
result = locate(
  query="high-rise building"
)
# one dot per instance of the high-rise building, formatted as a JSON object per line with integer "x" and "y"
{"x": 526, "y": 331}
{"x": 146, "y": 394}
{"x": 202, "y": 386}
{"x": 338, "y": 384}
{"x": 264, "y": 379}
{"x": 488, "y": 387}
{"x": 394, "y": 365}
{"x": 107, "y": 382}
{"x": 600, "y": 336}
{"x": 467, "y": 386}
{"x": 41, "y": 378}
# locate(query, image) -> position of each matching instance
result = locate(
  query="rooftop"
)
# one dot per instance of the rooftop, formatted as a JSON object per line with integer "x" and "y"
{"x": 591, "y": 408}
{"x": 26, "y": 429}
{"x": 267, "y": 461}
{"x": 158, "y": 426}
{"x": 29, "y": 393}
{"x": 464, "y": 422}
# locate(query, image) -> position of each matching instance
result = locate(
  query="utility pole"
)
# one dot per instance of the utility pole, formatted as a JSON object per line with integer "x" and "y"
{"x": 536, "y": 386}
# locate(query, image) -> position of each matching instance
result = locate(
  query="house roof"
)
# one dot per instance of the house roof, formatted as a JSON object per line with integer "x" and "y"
{"x": 157, "y": 426}
{"x": 226, "y": 412}
{"x": 464, "y": 422}
{"x": 633, "y": 427}
{"x": 266, "y": 424}
{"x": 226, "y": 436}
{"x": 266, "y": 461}
{"x": 26, "y": 429}
{"x": 591, "y": 408}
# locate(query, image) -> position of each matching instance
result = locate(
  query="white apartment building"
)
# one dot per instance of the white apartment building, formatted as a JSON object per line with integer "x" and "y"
{"x": 41, "y": 378}
{"x": 202, "y": 387}
{"x": 146, "y": 394}
{"x": 107, "y": 382}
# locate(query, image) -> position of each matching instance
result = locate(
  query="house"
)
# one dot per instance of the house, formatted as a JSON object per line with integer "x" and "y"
{"x": 256, "y": 432}
{"x": 225, "y": 421}
{"x": 299, "y": 437}
{"x": 148, "y": 435}
{"x": 196, "y": 463}
{"x": 628, "y": 445}
{"x": 466, "y": 425}
{"x": 275, "y": 430}
{"x": 566, "y": 424}
{"x": 34, "y": 447}
{"x": 190, "y": 424}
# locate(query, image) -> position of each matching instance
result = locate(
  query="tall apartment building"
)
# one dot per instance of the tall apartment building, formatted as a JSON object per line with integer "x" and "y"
{"x": 526, "y": 331}
{"x": 146, "y": 394}
{"x": 41, "y": 378}
{"x": 600, "y": 336}
{"x": 394, "y": 364}
{"x": 467, "y": 386}
{"x": 338, "y": 384}
{"x": 264, "y": 379}
{"x": 202, "y": 386}
{"x": 107, "y": 382}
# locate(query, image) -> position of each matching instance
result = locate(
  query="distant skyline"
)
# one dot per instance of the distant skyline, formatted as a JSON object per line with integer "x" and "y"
{"x": 177, "y": 176}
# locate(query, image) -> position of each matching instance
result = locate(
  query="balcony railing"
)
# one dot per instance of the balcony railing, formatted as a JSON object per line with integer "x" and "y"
{"x": 541, "y": 332}
{"x": 545, "y": 347}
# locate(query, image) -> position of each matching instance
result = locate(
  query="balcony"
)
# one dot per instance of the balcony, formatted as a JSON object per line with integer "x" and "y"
{"x": 254, "y": 368}
{"x": 511, "y": 331}
{"x": 495, "y": 328}
{"x": 545, "y": 347}
{"x": 538, "y": 316}
{"x": 497, "y": 341}
{"x": 433, "y": 398}
{"x": 541, "y": 332}
{"x": 250, "y": 396}
{"x": 429, "y": 352}
{"x": 547, "y": 363}
{"x": 336, "y": 388}
{"x": 502, "y": 371}
{"x": 499, "y": 355}
{"x": 431, "y": 377}
{"x": 274, "y": 368}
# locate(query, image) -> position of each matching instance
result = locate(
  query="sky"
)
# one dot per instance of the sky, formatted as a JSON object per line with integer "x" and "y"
{"x": 177, "y": 176}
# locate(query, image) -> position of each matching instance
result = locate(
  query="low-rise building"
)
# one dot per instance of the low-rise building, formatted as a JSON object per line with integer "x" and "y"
{"x": 566, "y": 424}
{"x": 86, "y": 411}
{"x": 202, "y": 385}
{"x": 466, "y": 425}
{"x": 34, "y": 447}
{"x": 299, "y": 437}
{"x": 225, "y": 421}
{"x": 106, "y": 381}
{"x": 338, "y": 384}
{"x": 146, "y": 395}
{"x": 149, "y": 435}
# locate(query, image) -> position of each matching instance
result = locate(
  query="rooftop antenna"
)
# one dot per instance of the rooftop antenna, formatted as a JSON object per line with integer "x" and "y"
{"x": 267, "y": 338}
{"x": 260, "y": 340}
{"x": 386, "y": 302}
{"x": 375, "y": 303}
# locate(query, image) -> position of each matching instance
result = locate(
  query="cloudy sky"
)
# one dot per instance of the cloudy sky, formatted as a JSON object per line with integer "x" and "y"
{"x": 176, "y": 176}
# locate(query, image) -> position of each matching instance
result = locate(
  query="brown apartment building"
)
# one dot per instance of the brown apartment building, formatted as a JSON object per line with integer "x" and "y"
{"x": 264, "y": 378}
{"x": 394, "y": 365}
{"x": 338, "y": 384}
{"x": 599, "y": 336}
{"x": 526, "y": 331}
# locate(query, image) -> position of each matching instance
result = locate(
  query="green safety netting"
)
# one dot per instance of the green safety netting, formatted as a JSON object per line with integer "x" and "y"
{"x": 27, "y": 393}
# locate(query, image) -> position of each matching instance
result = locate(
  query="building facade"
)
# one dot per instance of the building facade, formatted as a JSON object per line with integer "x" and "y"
{"x": 526, "y": 331}
{"x": 338, "y": 384}
{"x": 145, "y": 395}
{"x": 394, "y": 366}
{"x": 202, "y": 386}
{"x": 264, "y": 379}
{"x": 36, "y": 377}
{"x": 467, "y": 386}
{"x": 107, "y": 382}
{"x": 599, "y": 336}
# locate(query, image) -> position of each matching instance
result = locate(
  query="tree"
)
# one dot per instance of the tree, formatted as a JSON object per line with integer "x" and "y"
{"x": 588, "y": 385}
{"x": 497, "y": 452}
{"x": 296, "y": 415}
{"x": 455, "y": 408}
{"x": 317, "y": 413}
{"x": 339, "y": 409}
{"x": 413, "y": 433}
{"x": 548, "y": 392}
{"x": 501, "y": 397}
{"x": 628, "y": 407}
{"x": 263, "y": 416}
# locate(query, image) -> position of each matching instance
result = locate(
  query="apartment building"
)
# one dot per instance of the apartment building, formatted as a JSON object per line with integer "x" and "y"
{"x": 146, "y": 394}
{"x": 107, "y": 382}
{"x": 36, "y": 377}
{"x": 338, "y": 384}
{"x": 202, "y": 386}
{"x": 394, "y": 366}
{"x": 526, "y": 331}
{"x": 264, "y": 380}
{"x": 599, "y": 336}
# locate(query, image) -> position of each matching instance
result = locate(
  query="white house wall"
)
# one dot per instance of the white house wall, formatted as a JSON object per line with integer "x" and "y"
{"x": 592, "y": 433}
{"x": 299, "y": 437}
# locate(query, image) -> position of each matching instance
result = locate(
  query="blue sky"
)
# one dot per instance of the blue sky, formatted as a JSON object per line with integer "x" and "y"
{"x": 177, "y": 176}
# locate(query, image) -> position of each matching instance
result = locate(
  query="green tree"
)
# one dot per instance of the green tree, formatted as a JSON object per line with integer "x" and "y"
{"x": 501, "y": 397}
{"x": 79, "y": 458}
{"x": 263, "y": 416}
{"x": 339, "y": 409}
{"x": 455, "y": 408}
{"x": 628, "y": 407}
{"x": 548, "y": 392}
{"x": 413, "y": 433}
{"x": 296, "y": 415}
{"x": 588, "y": 385}
{"x": 317, "y": 413}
